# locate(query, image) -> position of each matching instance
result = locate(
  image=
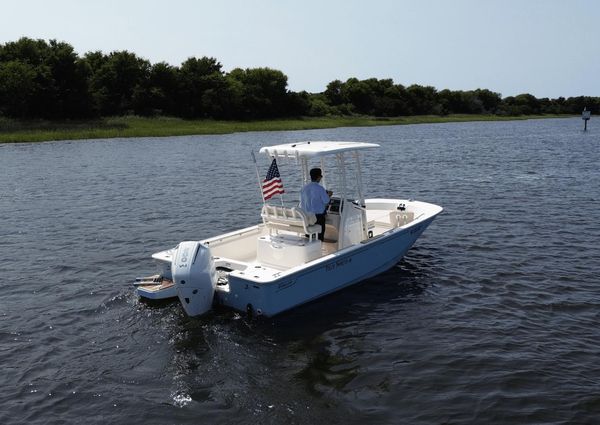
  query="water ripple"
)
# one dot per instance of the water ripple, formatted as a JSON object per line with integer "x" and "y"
{"x": 491, "y": 318}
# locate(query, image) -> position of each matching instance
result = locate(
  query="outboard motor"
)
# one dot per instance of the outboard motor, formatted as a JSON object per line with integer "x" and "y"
{"x": 195, "y": 277}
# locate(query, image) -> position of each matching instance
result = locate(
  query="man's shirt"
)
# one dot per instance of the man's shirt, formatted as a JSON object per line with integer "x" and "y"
{"x": 313, "y": 198}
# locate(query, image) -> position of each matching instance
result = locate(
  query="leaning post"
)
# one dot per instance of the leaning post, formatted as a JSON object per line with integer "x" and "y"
{"x": 585, "y": 116}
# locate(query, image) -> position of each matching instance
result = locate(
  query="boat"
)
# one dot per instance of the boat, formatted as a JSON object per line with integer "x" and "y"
{"x": 280, "y": 263}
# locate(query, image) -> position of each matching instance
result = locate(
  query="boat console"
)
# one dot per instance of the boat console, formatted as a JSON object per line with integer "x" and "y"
{"x": 332, "y": 220}
{"x": 334, "y": 206}
{"x": 351, "y": 229}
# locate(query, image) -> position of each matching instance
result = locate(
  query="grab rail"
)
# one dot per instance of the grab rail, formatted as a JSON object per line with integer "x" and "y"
{"x": 293, "y": 219}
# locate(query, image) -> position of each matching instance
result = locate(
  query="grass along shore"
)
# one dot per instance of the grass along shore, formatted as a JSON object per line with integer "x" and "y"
{"x": 14, "y": 131}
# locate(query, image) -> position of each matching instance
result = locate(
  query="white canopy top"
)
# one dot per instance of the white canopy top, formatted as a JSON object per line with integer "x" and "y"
{"x": 314, "y": 149}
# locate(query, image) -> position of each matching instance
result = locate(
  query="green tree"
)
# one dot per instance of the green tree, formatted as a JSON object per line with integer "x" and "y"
{"x": 115, "y": 81}
{"x": 17, "y": 87}
{"x": 360, "y": 95}
{"x": 523, "y": 104}
{"x": 70, "y": 76}
{"x": 575, "y": 105}
{"x": 394, "y": 102}
{"x": 49, "y": 80}
{"x": 297, "y": 104}
{"x": 26, "y": 50}
{"x": 460, "y": 102}
{"x": 60, "y": 82}
{"x": 489, "y": 100}
{"x": 157, "y": 95}
{"x": 423, "y": 100}
{"x": 319, "y": 106}
{"x": 202, "y": 85}
{"x": 95, "y": 61}
{"x": 334, "y": 93}
{"x": 262, "y": 92}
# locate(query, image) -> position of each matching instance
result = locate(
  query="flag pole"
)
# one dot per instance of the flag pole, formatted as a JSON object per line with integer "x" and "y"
{"x": 262, "y": 196}
{"x": 281, "y": 195}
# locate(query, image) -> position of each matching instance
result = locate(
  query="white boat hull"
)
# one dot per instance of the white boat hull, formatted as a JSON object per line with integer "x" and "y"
{"x": 262, "y": 285}
{"x": 322, "y": 277}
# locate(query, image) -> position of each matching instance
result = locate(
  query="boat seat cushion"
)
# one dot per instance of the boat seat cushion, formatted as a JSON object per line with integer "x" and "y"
{"x": 292, "y": 219}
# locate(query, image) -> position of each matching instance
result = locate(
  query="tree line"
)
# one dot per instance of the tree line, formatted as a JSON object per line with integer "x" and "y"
{"x": 49, "y": 80}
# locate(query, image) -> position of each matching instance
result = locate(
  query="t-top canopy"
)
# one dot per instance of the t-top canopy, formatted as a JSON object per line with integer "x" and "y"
{"x": 314, "y": 149}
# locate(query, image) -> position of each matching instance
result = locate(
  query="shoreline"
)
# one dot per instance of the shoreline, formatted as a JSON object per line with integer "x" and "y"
{"x": 134, "y": 126}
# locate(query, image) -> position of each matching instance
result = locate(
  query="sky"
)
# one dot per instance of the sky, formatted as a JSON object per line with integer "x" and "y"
{"x": 548, "y": 48}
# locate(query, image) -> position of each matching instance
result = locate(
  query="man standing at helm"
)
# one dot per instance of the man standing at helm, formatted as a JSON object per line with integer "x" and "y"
{"x": 314, "y": 198}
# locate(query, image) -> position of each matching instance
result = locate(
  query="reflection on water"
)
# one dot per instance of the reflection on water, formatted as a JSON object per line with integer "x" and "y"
{"x": 490, "y": 318}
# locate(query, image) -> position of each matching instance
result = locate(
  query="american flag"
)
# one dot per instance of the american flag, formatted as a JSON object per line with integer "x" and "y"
{"x": 272, "y": 184}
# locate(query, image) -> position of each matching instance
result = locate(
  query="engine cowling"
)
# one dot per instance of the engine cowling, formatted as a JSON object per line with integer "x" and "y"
{"x": 195, "y": 277}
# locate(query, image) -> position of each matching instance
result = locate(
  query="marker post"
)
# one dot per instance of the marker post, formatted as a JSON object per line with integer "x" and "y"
{"x": 585, "y": 116}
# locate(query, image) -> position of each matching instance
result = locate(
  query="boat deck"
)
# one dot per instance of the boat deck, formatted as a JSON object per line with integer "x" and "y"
{"x": 328, "y": 247}
{"x": 237, "y": 253}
